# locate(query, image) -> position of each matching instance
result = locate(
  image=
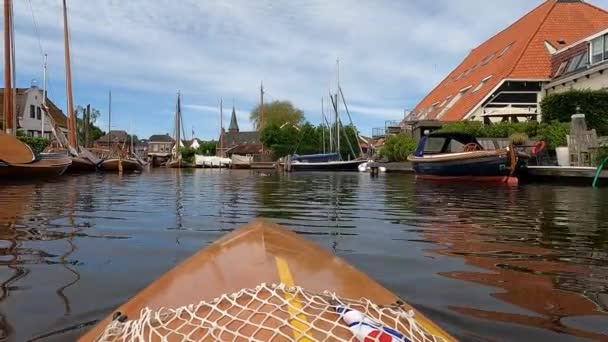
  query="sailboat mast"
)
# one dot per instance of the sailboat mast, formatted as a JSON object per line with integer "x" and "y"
{"x": 109, "y": 117}
{"x": 8, "y": 91}
{"x": 323, "y": 124}
{"x": 68, "y": 80}
{"x": 221, "y": 127}
{"x": 43, "y": 96}
{"x": 178, "y": 120}
{"x": 336, "y": 107}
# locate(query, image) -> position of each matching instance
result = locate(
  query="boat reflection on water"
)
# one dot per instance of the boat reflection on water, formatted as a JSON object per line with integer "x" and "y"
{"x": 24, "y": 260}
{"x": 543, "y": 262}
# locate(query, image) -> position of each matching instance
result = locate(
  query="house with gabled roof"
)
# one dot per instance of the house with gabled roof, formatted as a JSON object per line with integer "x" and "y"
{"x": 508, "y": 72}
{"x": 30, "y": 110}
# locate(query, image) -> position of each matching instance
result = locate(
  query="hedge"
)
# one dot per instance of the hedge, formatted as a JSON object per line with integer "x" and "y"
{"x": 592, "y": 103}
{"x": 553, "y": 133}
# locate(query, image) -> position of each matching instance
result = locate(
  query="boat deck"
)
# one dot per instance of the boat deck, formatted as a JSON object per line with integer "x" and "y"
{"x": 261, "y": 252}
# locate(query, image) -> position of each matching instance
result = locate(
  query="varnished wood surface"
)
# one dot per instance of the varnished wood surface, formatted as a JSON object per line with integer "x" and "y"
{"x": 248, "y": 257}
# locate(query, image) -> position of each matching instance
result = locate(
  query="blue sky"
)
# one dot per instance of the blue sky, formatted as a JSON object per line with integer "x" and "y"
{"x": 391, "y": 53}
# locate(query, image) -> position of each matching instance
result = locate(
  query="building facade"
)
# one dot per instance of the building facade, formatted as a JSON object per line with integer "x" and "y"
{"x": 236, "y": 142}
{"x": 506, "y": 76}
{"x": 29, "y": 108}
{"x": 581, "y": 65}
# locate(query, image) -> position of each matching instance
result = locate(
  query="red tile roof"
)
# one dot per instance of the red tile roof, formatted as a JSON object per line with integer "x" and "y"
{"x": 517, "y": 52}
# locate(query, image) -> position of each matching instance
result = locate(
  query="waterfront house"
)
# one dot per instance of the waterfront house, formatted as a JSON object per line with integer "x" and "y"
{"x": 114, "y": 139}
{"x": 580, "y": 65}
{"x": 236, "y": 142}
{"x": 159, "y": 148}
{"x": 505, "y": 77}
{"x": 29, "y": 112}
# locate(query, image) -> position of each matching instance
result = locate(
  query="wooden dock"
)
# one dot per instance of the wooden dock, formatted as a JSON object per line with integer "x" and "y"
{"x": 563, "y": 173}
{"x": 402, "y": 167}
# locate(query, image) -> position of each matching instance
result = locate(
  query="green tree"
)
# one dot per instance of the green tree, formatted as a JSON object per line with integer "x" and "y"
{"x": 94, "y": 132}
{"x": 207, "y": 148}
{"x": 277, "y": 113}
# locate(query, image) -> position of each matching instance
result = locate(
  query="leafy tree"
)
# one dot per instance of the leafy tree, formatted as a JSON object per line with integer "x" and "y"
{"x": 277, "y": 113}
{"x": 207, "y": 148}
{"x": 307, "y": 139}
{"x": 282, "y": 140}
{"x": 188, "y": 154}
{"x": 94, "y": 132}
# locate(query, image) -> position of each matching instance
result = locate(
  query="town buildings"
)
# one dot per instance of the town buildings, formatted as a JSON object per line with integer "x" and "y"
{"x": 29, "y": 112}
{"x": 507, "y": 76}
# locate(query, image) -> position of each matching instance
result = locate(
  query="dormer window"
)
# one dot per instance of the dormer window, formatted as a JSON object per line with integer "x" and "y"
{"x": 597, "y": 50}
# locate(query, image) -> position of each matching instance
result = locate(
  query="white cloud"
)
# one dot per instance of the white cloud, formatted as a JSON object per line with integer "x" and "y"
{"x": 391, "y": 53}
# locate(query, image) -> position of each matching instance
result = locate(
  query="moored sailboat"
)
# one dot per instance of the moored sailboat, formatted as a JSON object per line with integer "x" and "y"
{"x": 17, "y": 160}
{"x": 332, "y": 161}
{"x": 176, "y": 161}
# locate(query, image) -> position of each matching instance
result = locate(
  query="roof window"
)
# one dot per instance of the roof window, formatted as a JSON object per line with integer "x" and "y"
{"x": 505, "y": 50}
{"x": 481, "y": 84}
{"x": 488, "y": 59}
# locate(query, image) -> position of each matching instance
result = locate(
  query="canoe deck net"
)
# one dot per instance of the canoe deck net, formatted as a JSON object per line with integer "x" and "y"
{"x": 267, "y": 313}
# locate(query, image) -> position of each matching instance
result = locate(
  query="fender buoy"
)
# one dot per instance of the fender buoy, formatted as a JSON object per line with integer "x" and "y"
{"x": 538, "y": 148}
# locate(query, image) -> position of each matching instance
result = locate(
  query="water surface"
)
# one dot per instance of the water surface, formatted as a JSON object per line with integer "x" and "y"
{"x": 486, "y": 263}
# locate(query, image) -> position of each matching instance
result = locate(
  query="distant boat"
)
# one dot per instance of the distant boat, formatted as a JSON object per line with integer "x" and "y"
{"x": 241, "y": 162}
{"x": 18, "y": 162}
{"x": 176, "y": 161}
{"x": 211, "y": 161}
{"x": 322, "y": 162}
{"x": 460, "y": 157}
{"x": 124, "y": 165}
{"x": 330, "y": 161}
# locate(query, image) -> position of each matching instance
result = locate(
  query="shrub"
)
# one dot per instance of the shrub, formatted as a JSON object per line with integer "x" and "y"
{"x": 37, "y": 144}
{"x": 398, "y": 147}
{"x": 602, "y": 153}
{"x": 188, "y": 154}
{"x": 554, "y": 133}
{"x": 592, "y": 103}
{"x": 518, "y": 138}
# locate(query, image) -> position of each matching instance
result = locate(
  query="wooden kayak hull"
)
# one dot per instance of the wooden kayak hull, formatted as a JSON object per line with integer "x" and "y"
{"x": 128, "y": 165}
{"x": 260, "y": 252}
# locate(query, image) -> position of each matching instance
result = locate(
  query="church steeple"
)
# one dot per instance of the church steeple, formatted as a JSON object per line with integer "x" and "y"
{"x": 234, "y": 126}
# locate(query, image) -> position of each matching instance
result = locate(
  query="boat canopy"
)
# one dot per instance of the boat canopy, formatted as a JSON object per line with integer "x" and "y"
{"x": 316, "y": 158}
{"x": 444, "y": 142}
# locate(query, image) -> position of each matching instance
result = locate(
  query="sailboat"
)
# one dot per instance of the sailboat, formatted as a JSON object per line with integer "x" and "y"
{"x": 119, "y": 160}
{"x": 331, "y": 161}
{"x": 17, "y": 160}
{"x": 176, "y": 161}
{"x": 82, "y": 159}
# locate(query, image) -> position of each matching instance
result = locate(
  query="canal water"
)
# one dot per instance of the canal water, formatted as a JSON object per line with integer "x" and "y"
{"x": 485, "y": 262}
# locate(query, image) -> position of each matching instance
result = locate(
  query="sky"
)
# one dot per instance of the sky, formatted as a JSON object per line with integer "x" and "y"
{"x": 391, "y": 54}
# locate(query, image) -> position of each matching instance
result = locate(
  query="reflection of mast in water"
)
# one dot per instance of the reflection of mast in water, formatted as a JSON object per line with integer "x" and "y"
{"x": 63, "y": 259}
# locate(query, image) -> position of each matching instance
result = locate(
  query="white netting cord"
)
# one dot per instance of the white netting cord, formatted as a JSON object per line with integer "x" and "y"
{"x": 264, "y": 313}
